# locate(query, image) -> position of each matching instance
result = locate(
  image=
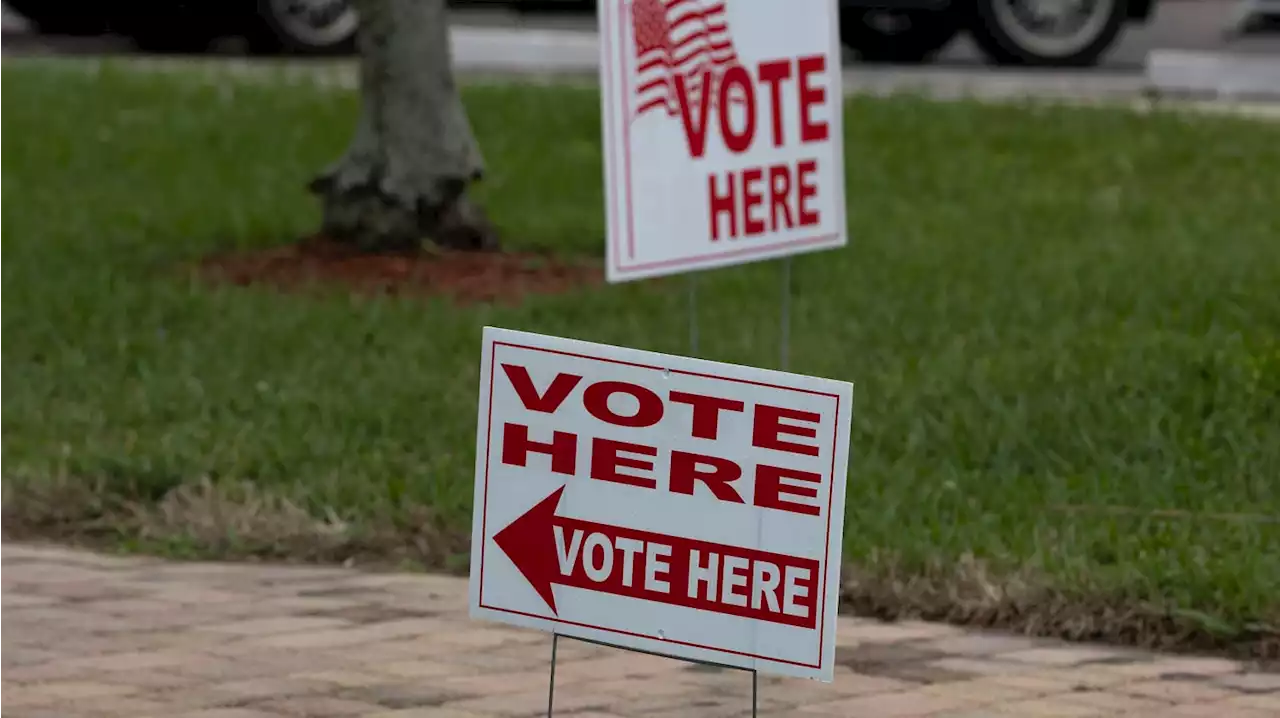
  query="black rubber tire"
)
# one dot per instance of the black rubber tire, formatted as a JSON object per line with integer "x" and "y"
{"x": 267, "y": 35}
{"x": 534, "y": 7}
{"x": 62, "y": 17}
{"x": 922, "y": 37}
{"x": 167, "y": 33}
{"x": 1001, "y": 48}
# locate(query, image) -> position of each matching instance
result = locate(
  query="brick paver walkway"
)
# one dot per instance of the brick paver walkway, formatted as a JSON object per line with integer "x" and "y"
{"x": 89, "y": 635}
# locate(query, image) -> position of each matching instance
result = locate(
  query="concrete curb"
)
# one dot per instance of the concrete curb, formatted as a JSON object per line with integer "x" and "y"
{"x": 1213, "y": 75}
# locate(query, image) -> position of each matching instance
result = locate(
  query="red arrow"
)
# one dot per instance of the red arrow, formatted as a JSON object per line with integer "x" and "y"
{"x": 549, "y": 549}
{"x": 530, "y": 543}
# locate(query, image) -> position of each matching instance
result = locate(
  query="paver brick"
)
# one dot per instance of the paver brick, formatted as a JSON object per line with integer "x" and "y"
{"x": 1175, "y": 691}
{"x": 1092, "y": 677}
{"x": 1060, "y": 656}
{"x": 345, "y": 678}
{"x": 907, "y": 704}
{"x": 217, "y": 669}
{"x": 414, "y": 694}
{"x": 531, "y": 702}
{"x": 275, "y": 625}
{"x": 150, "y": 681}
{"x": 18, "y": 600}
{"x": 978, "y": 644}
{"x": 981, "y": 666}
{"x": 49, "y": 670}
{"x": 1179, "y": 666}
{"x": 1207, "y": 710}
{"x": 258, "y": 641}
{"x": 226, "y": 713}
{"x": 862, "y": 631}
{"x": 113, "y": 707}
{"x": 1265, "y": 702}
{"x": 262, "y": 688}
{"x": 318, "y": 707}
{"x": 440, "y": 712}
{"x": 418, "y": 669}
{"x": 1049, "y": 708}
{"x": 1112, "y": 702}
{"x": 978, "y": 693}
{"x": 356, "y": 635}
{"x": 1250, "y": 682}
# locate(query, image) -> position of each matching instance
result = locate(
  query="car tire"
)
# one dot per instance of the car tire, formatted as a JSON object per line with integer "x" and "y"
{"x": 61, "y": 17}
{"x": 303, "y": 27}
{"x": 164, "y": 35}
{"x": 179, "y": 28}
{"x": 1007, "y": 34}
{"x": 898, "y": 36}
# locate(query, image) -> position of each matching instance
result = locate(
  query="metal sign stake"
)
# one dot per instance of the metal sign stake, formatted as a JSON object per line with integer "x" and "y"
{"x": 555, "y": 639}
{"x": 784, "y": 335}
{"x": 693, "y": 313}
{"x": 551, "y": 685}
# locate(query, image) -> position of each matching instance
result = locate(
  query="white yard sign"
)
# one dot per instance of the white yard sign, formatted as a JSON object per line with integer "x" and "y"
{"x": 721, "y": 132}
{"x": 662, "y": 503}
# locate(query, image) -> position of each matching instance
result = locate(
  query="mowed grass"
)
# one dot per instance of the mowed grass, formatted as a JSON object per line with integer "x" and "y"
{"x": 1062, "y": 325}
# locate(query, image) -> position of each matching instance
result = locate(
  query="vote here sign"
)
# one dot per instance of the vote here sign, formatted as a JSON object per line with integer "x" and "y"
{"x": 662, "y": 503}
{"x": 722, "y": 132}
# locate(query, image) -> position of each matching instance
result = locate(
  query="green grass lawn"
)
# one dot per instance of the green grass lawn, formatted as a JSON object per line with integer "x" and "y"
{"x": 1063, "y": 326}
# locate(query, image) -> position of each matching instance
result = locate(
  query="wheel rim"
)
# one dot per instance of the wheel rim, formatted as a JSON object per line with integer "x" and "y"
{"x": 1053, "y": 28}
{"x": 316, "y": 23}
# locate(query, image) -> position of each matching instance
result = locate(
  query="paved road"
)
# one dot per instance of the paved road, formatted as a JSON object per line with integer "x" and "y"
{"x": 497, "y": 41}
{"x": 1179, "y": 24}
{"x": 89, "y": 636}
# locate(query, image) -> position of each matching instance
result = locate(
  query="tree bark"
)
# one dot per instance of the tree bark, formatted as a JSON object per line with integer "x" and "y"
{"x": 405, "y": 175}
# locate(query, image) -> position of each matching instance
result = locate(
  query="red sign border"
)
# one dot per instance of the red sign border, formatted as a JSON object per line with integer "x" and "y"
{"x": 621, "y": 269}
{"x": 826, "y": 550}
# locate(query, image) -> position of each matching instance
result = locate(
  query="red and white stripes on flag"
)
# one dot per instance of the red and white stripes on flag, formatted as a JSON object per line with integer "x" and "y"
{"x": 678, "y": 37}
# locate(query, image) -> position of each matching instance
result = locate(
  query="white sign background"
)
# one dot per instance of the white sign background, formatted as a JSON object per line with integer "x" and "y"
{"x": 658, "y": 216}
{"x": 503, "y": 493}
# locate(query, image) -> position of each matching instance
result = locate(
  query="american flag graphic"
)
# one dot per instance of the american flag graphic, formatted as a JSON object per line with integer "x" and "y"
{"x": 678, "y": 37}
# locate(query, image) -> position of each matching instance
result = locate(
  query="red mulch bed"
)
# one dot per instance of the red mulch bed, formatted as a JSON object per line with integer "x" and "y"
{"x": 463, "y": 277}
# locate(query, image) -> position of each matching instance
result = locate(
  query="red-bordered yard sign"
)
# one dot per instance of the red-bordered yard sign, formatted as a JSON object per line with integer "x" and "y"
{"x": 662, "y": 503}
{"x": 722, "y": 132}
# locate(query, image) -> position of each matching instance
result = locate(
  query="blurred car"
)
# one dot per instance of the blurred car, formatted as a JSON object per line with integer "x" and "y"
{"x": 276, "y": 26}
{"x": 1009, "y": 32}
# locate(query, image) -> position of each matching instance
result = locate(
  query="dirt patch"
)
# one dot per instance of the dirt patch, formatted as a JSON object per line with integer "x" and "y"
{"x": 463, "y": 277}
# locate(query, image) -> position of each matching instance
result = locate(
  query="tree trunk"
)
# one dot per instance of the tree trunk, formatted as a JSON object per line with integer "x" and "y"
{"x": 405, "y": 175}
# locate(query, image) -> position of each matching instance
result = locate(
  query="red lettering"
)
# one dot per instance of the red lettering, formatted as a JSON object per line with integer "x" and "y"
{"x": 791, "y": 195}
{"x": 737, "y": 141}
{"x": 516, "y": 447}
{"x": 546, "y": 403}
{"x": 649, "y": 405}
{"x": 751, "y": 199}
{"x": 676, "y": 571}
{"x": 772, "y": 73}
{"x": 706, "y": 411}
{"x": 767, "y": 429}
{"x": 779, "y": 189}
{"x": 606, "y": 460}
{"x": 695, "y": 128}
{"x": 719, "y": 474}
{"x": 811, "y": 131}
{"x": 722, "y": 204}
{"x": 770, "y": 489}
{"x": 808, "y": 189}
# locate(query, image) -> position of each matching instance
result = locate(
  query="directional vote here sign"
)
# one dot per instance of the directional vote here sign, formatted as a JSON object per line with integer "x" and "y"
{"x": 721, "y": 127}
{"x": 661, "y": 503}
